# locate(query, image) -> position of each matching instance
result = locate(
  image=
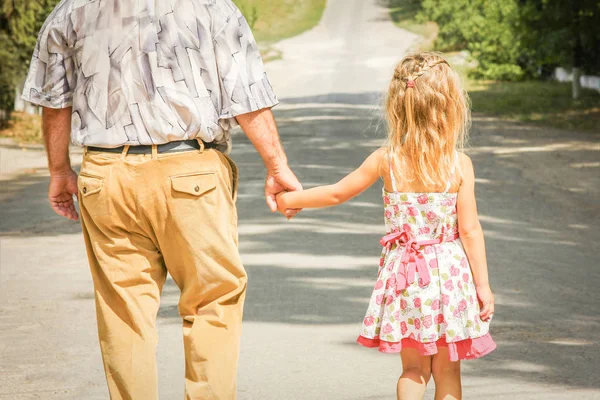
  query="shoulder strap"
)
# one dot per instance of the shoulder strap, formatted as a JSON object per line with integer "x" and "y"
{"x": 393, "y": 179}
{"x": 449, "y": 184}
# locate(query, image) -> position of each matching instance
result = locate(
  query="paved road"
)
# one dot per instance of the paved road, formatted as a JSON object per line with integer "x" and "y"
{"x": 310, "y": 279}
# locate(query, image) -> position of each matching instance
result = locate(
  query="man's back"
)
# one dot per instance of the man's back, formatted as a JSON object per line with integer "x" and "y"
{"x": 128, "y": 76}
{"x": 148, "y": 72}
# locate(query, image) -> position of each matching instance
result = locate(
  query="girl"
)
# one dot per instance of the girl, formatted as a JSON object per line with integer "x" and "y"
{"x": 432, "y": 300}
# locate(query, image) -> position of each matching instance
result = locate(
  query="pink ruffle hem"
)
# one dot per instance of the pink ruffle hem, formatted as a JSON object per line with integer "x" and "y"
{"x": 467, "y": 349}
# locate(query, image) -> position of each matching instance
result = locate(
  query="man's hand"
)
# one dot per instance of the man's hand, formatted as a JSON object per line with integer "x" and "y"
{"x": 278, "y": 181}
{"x": 60, "y": 193}
{"x": 261, "y": 129}
{"x": 56, "y": 126}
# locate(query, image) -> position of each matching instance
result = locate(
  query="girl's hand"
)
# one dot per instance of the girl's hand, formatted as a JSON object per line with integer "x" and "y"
{"x": 281, "y": 206}
{"x": 279, "y": 181}
{"x": 486, "y": 302}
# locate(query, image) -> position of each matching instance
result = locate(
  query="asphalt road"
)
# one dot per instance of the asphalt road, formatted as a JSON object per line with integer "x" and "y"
{"x": 310, "y": 279}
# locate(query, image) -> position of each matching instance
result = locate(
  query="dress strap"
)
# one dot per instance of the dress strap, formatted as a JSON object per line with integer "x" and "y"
{"x": 393, "y": 179}
{"x": 449, "y": 184}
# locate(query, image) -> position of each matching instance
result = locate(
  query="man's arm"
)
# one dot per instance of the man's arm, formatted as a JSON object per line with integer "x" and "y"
{"x": 261, "y": 129}
{"x": 56, "y": 127}
{"x": 247, "y": 95}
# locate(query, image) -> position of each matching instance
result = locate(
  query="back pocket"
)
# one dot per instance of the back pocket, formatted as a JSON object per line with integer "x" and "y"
{"x": 195, "y": 184}
{"x": 91, "y": 195}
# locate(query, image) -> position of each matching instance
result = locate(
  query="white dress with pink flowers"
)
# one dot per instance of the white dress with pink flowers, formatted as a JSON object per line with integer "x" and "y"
{"x": 424, "y": 296}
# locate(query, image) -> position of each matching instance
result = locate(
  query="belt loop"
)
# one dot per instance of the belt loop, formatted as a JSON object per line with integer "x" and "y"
{"x": 85, "y": 151}
{"x": 125, "y": 151}
{"x": 154, "y": 152}
{"x": 201, "y": 143}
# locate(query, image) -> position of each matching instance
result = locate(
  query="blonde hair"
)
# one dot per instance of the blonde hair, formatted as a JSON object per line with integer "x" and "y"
{"x": 428, "y": 118}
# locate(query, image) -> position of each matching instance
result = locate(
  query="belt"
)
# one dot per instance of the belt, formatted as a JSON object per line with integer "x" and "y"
{"x": 171, "y": 147}
{"x": 412, "y": 259}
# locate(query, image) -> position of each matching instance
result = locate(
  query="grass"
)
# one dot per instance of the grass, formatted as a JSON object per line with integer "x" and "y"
{"x": 273, "y": 20}
{"x": 404, "y": 15}
{"x": 546, "y": 103}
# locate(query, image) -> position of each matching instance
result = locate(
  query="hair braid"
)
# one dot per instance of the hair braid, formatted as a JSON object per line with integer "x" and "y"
{"x": 422, "y": 68}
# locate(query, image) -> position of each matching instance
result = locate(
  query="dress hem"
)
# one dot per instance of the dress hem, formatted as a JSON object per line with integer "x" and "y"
{"x": 466, "y": 349}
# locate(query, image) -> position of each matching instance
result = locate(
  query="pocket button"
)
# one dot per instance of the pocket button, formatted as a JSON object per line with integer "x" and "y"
{"x": 197, "y": 188}
{"x": 84, "y": 190}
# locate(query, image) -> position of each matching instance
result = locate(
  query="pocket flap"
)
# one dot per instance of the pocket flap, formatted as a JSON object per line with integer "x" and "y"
{"x": 195, "y": 184}
{"x": 89, "y": 185}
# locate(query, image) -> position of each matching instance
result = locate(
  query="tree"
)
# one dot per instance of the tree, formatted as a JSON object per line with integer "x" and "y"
{"x": 514, "y": 39}
{"x": 562, "y": 33}
{"x": 20, "y": 22}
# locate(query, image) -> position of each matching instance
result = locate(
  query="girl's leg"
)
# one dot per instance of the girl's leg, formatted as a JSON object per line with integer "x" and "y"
{"x": 446, "y": 375}
{"x": 416, "y": 371}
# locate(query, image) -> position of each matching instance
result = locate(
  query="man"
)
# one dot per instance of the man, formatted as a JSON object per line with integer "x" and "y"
{"x": 151, "y": 89}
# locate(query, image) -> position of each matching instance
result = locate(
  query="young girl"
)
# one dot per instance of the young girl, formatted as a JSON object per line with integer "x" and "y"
{"x": 432, "y": 300}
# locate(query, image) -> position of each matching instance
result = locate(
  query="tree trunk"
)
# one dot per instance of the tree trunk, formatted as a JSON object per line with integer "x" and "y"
{"x": 577, "y": 49}
{"x": 576, "y": 83}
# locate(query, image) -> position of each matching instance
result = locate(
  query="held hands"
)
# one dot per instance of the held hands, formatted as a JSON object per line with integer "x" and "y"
{"x": 60, "y": 193}
{"x": 486, "y": 302}
{"x": 281, "y": 206}
{"x": 279, "y": 181}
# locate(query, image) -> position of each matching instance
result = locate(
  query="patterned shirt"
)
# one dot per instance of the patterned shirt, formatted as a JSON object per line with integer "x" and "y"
{"x": 142, "y": 72}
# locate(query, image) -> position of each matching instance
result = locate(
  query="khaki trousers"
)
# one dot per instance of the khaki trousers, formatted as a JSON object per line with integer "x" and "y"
{"x": 144, "y": 216}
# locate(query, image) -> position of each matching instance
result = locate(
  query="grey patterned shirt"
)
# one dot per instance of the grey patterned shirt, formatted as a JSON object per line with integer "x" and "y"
{"x": 148, "y": 71}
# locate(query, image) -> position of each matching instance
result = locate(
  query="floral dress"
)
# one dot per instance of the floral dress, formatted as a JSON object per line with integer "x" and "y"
{"x": 424, "y": 296}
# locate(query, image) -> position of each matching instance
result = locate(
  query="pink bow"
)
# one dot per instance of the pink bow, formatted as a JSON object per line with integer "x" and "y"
{"x": 412, "y": 259}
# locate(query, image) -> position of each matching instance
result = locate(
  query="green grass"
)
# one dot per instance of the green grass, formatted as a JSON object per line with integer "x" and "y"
{"x": 542, "y": 103}
{"x": 273, "y": 20}
{"x": 404, "y": 15}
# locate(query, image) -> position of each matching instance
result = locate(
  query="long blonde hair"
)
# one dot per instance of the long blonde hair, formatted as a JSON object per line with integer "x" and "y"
{"x": 428, "y": 117}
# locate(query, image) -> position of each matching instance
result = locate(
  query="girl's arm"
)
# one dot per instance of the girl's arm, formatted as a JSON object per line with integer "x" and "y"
{"x": 331, "y": 195}
{"x": 471, "y": 236}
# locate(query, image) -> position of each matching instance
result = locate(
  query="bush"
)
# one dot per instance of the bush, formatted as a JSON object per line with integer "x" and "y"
{"x": 500, "y": 72}
{"x": 486, "y": 28}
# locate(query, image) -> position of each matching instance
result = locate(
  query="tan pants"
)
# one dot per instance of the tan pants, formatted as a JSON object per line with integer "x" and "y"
{"x": 144, "y": 215}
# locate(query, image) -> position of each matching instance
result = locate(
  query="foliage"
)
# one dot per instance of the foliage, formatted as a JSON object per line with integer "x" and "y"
{"x": 514, "y": 39}
{"x": 20, "y": 22}
{"x": 486, "y": 28}
{"x": 562, "y": 33}
{"x": 9, "y": 68}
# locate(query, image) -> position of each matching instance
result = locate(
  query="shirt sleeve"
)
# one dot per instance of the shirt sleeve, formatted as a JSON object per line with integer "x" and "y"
{"x": 244, "y": 84}
{"x": 49, "y": 82}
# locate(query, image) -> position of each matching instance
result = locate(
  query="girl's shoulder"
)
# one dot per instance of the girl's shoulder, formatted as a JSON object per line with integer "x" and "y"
{"x": 464, "y": 168}
{"x": 381, "y": 157}
{"x": 382, "y": 153}
{"x": 463, "y": 158}
{"x": 464, "y": 163}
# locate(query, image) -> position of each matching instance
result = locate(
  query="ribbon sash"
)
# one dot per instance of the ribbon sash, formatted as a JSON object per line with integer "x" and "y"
{"x": 412, "y": 259}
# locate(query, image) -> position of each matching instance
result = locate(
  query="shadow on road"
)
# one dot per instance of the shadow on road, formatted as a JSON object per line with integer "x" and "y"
{"x": 25, "y": 208}
{"x": 538, "y": 196}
